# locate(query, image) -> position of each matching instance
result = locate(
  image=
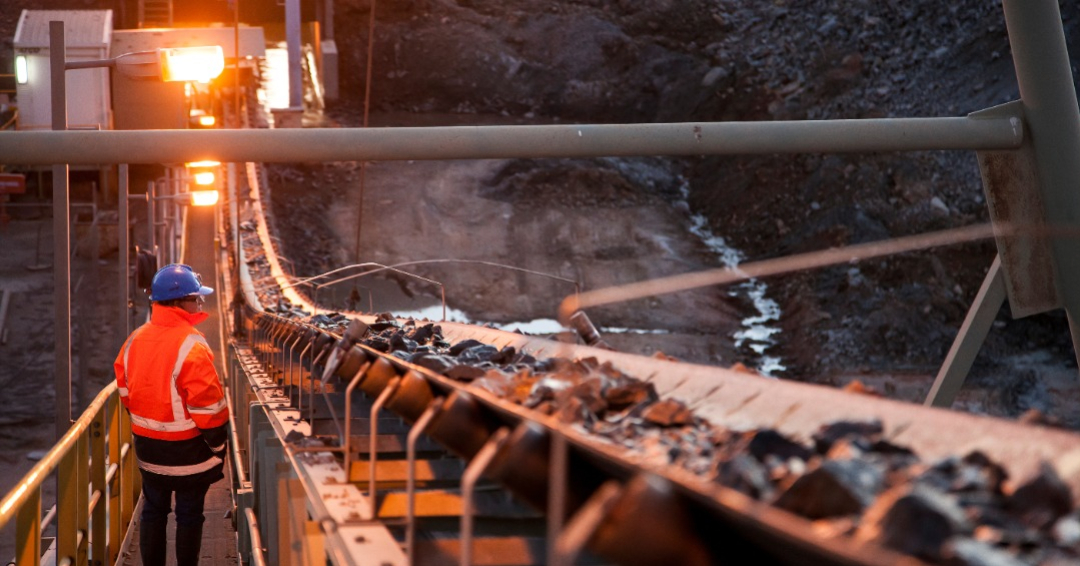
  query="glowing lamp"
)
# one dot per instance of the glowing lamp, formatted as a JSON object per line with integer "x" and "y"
{"x": 191, "y": 63}
{"x": 204, "y": 178}
{"x": 21, "y": 74}
{"x": 207, "y": 121}
{"x": 204, "y": 198}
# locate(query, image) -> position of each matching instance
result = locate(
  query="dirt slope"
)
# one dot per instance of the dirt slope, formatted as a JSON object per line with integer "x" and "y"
{"x": 888, "y": 322}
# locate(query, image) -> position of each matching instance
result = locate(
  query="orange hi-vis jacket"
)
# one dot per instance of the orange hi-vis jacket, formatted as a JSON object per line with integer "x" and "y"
{"x": 167, "y": 381}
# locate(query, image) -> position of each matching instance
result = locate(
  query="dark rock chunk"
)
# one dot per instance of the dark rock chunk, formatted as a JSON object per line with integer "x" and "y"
{"x": 837, "y": 487}
{"x": 384, "y": 321}
{"x": 668, "y": 412}
{"x": 768, "y": 442}
{"x": 588, "y": 394}
{"x": 915, "y": 520}
{"x": 620, "y": 397}
{"x": 398, "y": 343}
{"x": 745, "y": 474}
{"x": 504, "y": 356}
{"x": 573, "y": 410}
{"x": 423, "y": 334}
{"x": 378, "y": 343}
{"x": 478, "y": 354}
{"x": 1042, "y": 500}
{"x": 543, "y": 391}
{"x": 462, "y": 372}
{"x": 294, "y": 436}
{"x": 434, "y": 362}
{"x": 460, "y": 347}
{"x": 977, "y": 473}
{"x": 321, "y": 320}
{"x": 830, "y": 433}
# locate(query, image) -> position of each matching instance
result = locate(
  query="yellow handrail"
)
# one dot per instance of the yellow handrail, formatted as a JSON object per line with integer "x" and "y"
{"x": 96, "y": 452}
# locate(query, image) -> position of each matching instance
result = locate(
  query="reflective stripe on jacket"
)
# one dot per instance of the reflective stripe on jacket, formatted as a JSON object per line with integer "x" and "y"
{"x": 166, "y": 378}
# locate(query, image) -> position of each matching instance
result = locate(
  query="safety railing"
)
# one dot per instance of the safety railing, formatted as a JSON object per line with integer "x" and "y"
{"x": 97, "y": 488}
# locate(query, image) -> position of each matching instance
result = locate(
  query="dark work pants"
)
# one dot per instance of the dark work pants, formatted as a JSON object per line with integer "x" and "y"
{"x": 157, "y": 504}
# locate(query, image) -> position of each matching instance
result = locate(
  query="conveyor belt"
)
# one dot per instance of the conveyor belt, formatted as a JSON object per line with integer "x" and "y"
{"x": 628, "y": 493}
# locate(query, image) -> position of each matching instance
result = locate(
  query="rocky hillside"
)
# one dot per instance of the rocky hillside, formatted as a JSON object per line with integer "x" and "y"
{"x": 686, "y": 60}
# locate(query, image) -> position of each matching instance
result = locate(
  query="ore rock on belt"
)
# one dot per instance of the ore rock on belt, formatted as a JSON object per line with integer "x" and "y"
{"x": 746, "y": 475}
{"x": 765, "y": 443}
{"x": 1042, "y": 500}
{"x": 915, "y": 520}
{"x": 842, "y": 473}
{"x": 668, "y": 412}
{"x": 835, "y": 487}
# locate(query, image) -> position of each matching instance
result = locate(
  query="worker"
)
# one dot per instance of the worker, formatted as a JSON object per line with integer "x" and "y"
{"x": 167, "y": 381}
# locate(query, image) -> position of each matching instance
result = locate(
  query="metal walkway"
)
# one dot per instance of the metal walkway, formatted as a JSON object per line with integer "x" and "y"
{"x": 219, "y": 535}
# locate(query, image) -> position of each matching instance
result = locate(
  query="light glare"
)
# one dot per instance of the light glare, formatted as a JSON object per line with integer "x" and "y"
{"x": 204, "y": 198}
{"x": 207, "y": 121}
{"x": 192, "y": 63}
{"x": 21, "y": 74}
{"x": 204, "y": 178}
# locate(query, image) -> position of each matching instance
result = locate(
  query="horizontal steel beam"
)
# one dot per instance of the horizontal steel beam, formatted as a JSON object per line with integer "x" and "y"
{"x": 496, "y": 142}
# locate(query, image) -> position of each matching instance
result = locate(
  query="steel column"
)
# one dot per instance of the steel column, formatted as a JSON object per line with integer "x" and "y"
{"x": 151, "y": 220}
{"x": 1053, "y": 118}
{"x": 969, "y": 339}
{"x": 61, "y": 237}
{"x": 122, "y": 223}
{"x": 292, "y": 39}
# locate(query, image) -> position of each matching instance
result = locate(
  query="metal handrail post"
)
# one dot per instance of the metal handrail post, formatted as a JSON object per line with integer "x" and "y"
{"x": 346, "y": 442}
{"x": 118, "y": 483}
{"x": 284, "y": 339}
{"x": 98, "y": 516}
{"x": 410, "y": 488}
{"x": 287, "y": 377}
{"x": 130, "y": 495}
{"x": 68, "y": 503}
{"x": 82, "y": 506}
{"x": 28, "y": 530}
{"x": 572, "y": 539}
{"x": 277, "y": 354}
{"x": 556, "y": 490}
{"x": 373, "y": 444}
{"x": 473, "y": 471}
{"x": 312, "y": 378}
{"x": 258, "y": 555}
{"x": 300, "y": 389}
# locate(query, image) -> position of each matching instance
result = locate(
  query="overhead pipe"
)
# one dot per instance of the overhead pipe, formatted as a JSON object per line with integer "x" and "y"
{"x": 292, "y": 145}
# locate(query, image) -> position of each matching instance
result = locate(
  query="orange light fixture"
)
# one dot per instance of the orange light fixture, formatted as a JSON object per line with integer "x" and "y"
{"x": 204, "y": 198}
{"x": 191, "y": 63}
{"x": 204, "y": 178}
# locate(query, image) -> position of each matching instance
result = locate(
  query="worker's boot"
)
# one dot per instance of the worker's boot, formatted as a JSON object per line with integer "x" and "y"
{"x": 188, "y": 545}
{"x": 152, "y": 541}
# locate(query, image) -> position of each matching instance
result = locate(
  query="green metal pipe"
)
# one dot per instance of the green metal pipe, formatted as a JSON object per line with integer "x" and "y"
{"x": 495, "y": 142}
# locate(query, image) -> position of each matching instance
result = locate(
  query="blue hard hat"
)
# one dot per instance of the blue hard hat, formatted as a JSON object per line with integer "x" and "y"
{"x": 176, "y": 281}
